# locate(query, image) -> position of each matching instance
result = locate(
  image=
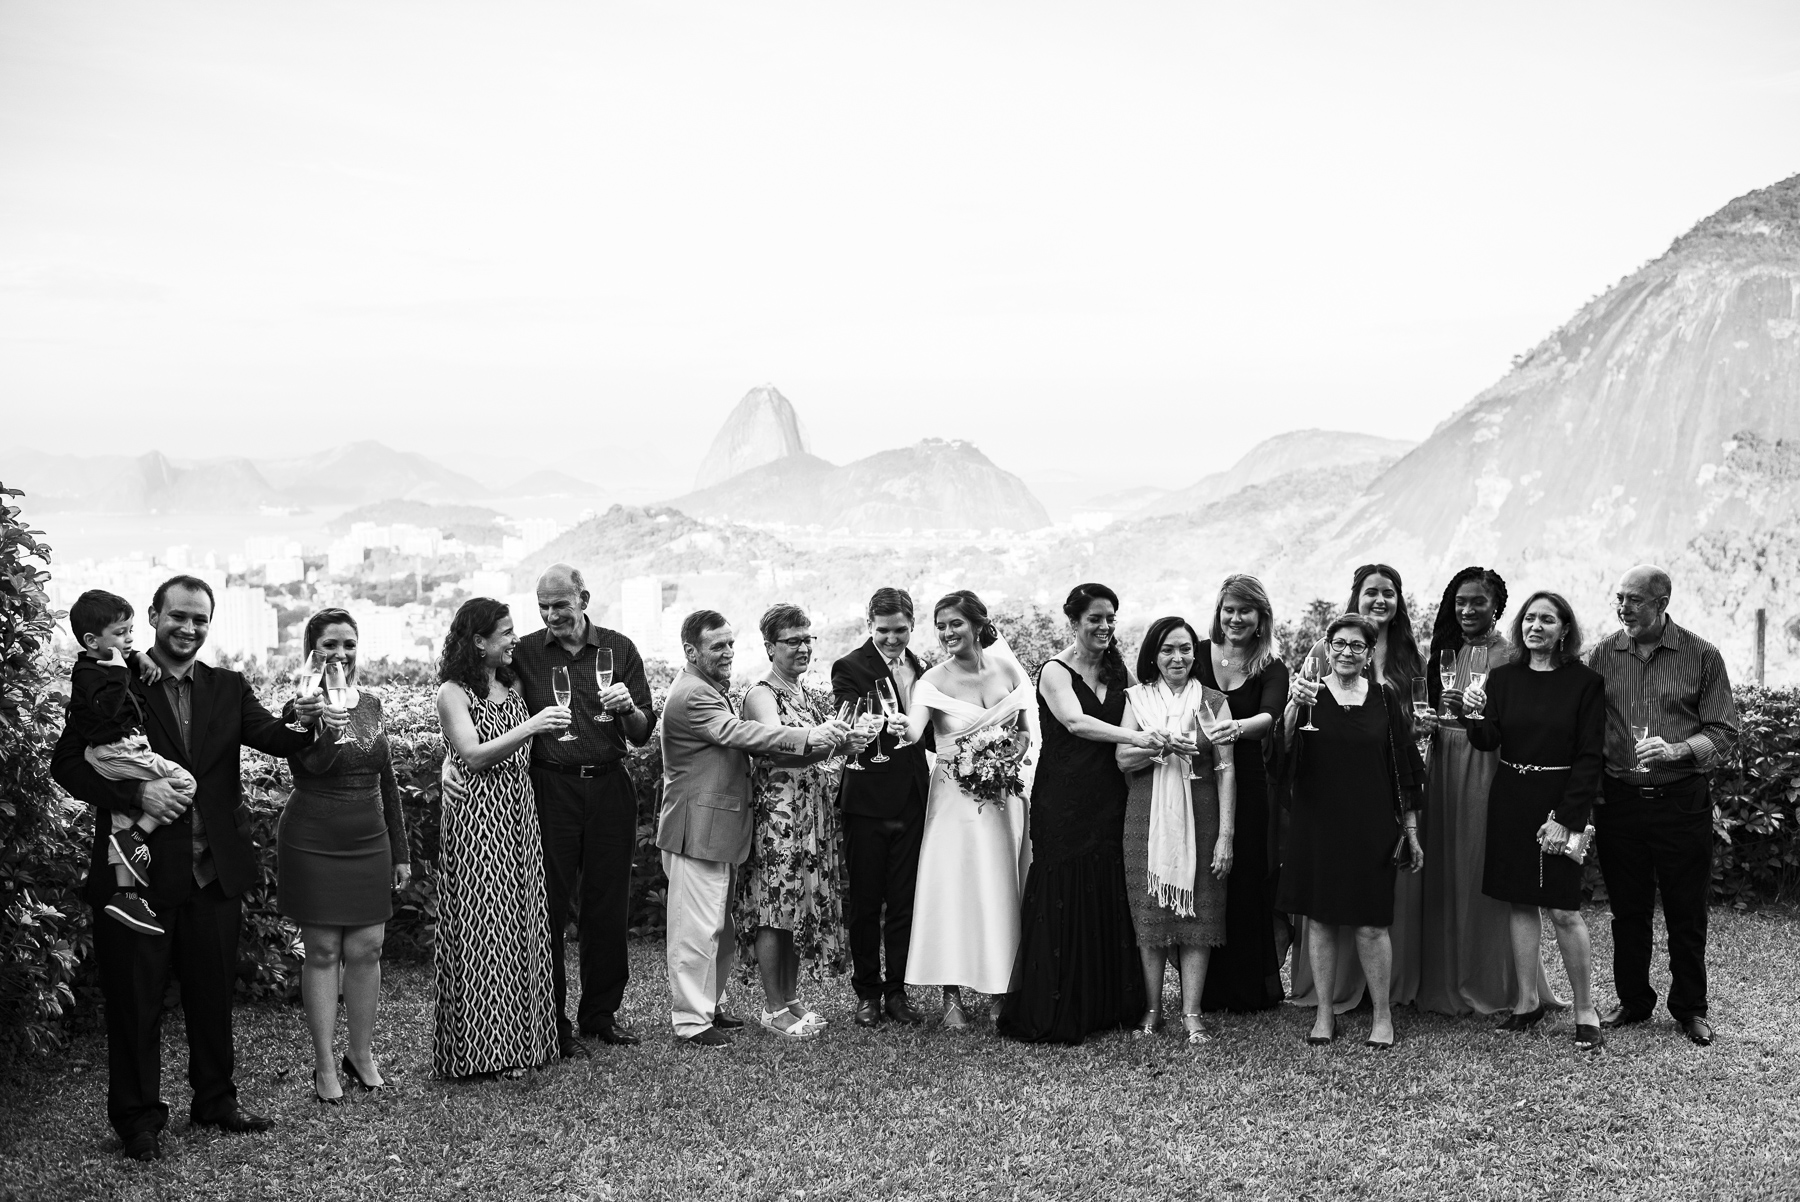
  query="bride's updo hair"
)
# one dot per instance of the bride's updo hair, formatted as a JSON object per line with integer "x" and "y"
{"x": 1112, "y": 663}
{"x": 970, "y": 607}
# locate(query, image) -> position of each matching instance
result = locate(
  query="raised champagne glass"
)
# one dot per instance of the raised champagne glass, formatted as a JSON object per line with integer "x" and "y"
{"x": 875, "y": 705}
{"x": 603, "y": 670}
{"x": 1421, "y": 700}
{"x": 1447, "y": 675}
{"x": 852, "y": 712}
{"x": 890, "y": 704}
{"x": 1309, "y": 670}
{"x": 307, "y": 682}
{"x": 835, "y": 762}
{"x": 559, "y": 685}
{"x": 1478, "y": 672}
{"x": 1640, "y": 729}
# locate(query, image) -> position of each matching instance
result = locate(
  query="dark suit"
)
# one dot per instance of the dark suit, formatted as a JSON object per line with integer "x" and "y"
{"x": 202, "y": 921}
{"x": 884, "y": 820}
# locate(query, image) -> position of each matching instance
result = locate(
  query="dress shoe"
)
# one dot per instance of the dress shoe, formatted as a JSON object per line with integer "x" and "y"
{"x": 238, "y": 1121}
{"x": 725, "y": 1022}
{"x": 900, "y": 1009}
{"x": 571, "y": 1048}
{"x": 868, "y": 1013}
{"x": 1624, "y": 1016}
{"x": 618, "y": 1036}
{"x": 320, "y": 1098}
{"x": 1698, "y": 1031}
{"x": 712, "y": 1037}
{"x": 143, "y": 1146}
{"x": 346, "y": 1068}
{"x": 1521, "y": 1020}
{"x": 1588, "y": 1038}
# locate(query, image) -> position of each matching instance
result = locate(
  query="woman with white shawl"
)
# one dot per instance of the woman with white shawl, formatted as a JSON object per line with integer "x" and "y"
{"x": 1180, "y": 816}
{"x": 973, "y": 855}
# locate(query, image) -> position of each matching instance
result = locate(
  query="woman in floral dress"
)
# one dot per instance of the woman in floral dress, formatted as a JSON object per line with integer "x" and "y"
{"x": 789, "y": 904}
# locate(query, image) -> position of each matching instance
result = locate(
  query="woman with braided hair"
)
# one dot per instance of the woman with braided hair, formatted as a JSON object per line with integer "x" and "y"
{"x": 1466, "y": 963}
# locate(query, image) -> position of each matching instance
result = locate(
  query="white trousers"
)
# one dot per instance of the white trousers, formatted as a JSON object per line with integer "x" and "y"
{"x": 702, "y": 941}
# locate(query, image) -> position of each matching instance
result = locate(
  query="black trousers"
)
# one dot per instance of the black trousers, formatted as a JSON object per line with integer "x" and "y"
{"x": 590, "y": 837}
{"x": 1649, "y": 846}
{"x": 201, "y": 948}
{"x": 882, "y": 857}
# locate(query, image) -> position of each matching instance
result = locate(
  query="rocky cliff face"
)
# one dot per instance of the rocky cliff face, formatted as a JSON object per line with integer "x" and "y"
{"x": 1602, "y": 440}
{"x": 762, "y": 429}
{"x": 1297, "y": 450}
{"x": 933, "y": 485}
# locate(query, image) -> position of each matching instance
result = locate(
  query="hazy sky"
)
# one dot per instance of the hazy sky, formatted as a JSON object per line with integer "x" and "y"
{"x": 1067, "y": 232}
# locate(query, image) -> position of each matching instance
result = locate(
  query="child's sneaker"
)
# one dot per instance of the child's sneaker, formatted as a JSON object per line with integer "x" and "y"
{"x": 134, "y": 912}
{"x": 134, "y": 853}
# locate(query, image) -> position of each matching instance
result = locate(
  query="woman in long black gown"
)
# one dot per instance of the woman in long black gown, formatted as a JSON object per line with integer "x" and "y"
{"x": 1546, "y": 716}
{"x": 1358, "y": 785}
{"x": 1245, "y": 974}
{"x": 1078, "y": 969}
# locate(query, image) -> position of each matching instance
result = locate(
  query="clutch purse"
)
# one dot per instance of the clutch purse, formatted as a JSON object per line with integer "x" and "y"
{"x": 1402, "y": 856}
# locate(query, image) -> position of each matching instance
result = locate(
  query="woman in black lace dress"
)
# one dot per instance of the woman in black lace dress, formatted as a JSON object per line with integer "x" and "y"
{"x": 1077, "y": 970}
{"x": 340, "y": 852}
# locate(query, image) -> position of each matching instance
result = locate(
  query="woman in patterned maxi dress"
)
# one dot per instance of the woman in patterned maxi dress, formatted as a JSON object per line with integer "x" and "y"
{"x": 496, "y": 1011}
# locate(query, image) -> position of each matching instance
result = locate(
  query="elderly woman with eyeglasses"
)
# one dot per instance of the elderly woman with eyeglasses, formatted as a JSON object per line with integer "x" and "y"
{"x": 1357, "y": 789}
{"x": 789, "y": 905}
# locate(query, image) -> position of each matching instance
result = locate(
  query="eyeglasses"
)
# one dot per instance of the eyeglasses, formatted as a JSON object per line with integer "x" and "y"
{"x": 797, "y": 642}
{"x": 1340, "y": 647}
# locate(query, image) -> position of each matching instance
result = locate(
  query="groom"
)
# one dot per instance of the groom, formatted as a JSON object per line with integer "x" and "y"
{"x": 884, "y": 815}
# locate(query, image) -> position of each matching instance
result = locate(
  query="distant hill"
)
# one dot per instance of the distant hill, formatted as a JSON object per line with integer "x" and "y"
{"x": 932, "y": 485}
{"x": 762, "y": 428}
{"x": 548, "y": 482}
{"x": 358, "y": 473}
{"x": 472, "y": 524}
{"x": 1296, "y": 450}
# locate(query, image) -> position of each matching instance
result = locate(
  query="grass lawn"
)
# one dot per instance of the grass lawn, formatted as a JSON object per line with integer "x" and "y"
{"x": 1455, "y": 1111}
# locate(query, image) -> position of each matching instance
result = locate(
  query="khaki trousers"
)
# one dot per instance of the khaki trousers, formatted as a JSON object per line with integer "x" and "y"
{"x": 702, "y": 941}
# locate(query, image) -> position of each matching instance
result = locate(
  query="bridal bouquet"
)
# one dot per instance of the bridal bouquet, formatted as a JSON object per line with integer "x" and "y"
{"x": 986, "y": 766}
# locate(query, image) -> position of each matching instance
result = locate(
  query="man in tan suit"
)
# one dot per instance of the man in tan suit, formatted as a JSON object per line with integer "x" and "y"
{"x": 704, "y": 826}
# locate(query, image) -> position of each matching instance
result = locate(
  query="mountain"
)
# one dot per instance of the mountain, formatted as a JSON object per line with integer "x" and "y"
{"x": 1277, "y": 456}
{"x": 932, "y": 485}
{"x": 548, "y": 482}
{"x": 762, "y": 428}
{"x": 1602, "y": 439}
{"x": 473, "y": 524}
{"x": 358, "y": 473}
{"x": 136, "y": 484}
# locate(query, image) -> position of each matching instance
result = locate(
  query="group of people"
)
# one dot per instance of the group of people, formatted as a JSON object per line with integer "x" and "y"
{"x": 1400, "y": 825}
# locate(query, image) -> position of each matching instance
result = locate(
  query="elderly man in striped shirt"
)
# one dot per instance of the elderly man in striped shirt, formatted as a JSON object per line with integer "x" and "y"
{"x": 1669, "y": 716}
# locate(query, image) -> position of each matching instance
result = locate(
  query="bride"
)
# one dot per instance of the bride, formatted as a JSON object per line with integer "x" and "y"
{"x": 972, "y": 858}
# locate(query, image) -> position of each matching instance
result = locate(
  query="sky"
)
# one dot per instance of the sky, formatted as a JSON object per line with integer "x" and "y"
{"x": 565, "y": 234}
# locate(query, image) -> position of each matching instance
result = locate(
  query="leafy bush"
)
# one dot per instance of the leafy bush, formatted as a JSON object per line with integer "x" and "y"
{"x": 1756, "y": 793}
{"x": 44, "y": 935}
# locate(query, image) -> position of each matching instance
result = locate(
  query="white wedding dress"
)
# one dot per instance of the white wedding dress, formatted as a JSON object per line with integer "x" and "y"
{"x": 972, "y": 860}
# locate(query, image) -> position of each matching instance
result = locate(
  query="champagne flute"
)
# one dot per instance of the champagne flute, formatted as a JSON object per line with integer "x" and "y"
{"x": 337, "y": 684}
{"x": 1447, "y": 675}
{"x": 1640, "y": 729}
{"x": 603, "y": 670}
{"x": 1200, "y": 725}
{"x": 1421, "y": 702}
{"x": 852, "y": 712}
{"x": 1309, "y": 671}
{"x": 835, "y": 762}
{"x": 890, "y": 702}
{"x": 559, "y": 685}
{"x": 875, "y": 704}
{"x": 1478, "y": 666}
{"x": 307, "y": 681}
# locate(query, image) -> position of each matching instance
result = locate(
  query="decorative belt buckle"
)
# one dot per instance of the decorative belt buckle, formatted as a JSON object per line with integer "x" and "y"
{"x": 584, "y": 771}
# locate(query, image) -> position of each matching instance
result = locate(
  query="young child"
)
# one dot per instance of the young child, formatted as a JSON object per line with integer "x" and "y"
{"x": 107, "y": 716}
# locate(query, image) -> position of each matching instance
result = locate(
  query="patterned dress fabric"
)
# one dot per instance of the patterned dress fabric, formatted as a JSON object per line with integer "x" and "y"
{"x": 342, "y": 830}
{"x": 794, "y": 878}
{"x": 495, "y": 1009}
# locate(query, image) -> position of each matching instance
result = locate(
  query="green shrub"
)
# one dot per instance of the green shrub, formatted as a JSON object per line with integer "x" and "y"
{"x": 1756, "y": 792}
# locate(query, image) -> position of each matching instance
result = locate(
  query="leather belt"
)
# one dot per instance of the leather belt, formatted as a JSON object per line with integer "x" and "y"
{"x": 1537, "y": 767}
{"x": 584, "y": 771}
{"x": 1674, "y": 788}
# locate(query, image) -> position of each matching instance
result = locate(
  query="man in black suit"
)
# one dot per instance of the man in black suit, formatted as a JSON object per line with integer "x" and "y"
{"x": 884, "y": 815}
{"x": 201, "y": 863}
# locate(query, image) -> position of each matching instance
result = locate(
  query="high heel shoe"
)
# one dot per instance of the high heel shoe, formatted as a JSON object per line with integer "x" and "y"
{"x": 955, "y": 1017}
{"x": 1588, "y": 1038}
{"x": 321, "y": 1098}
{"x": 1517, "y": 1021}
{"x": 347, "y": 1067}
{"x": 1196, "y": 1029}
{"x": 1149, "y": 1026}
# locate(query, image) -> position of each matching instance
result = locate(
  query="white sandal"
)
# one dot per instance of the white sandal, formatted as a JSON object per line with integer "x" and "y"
{"x": 810, "y": 1017}
{"x": 795, "y": 1030}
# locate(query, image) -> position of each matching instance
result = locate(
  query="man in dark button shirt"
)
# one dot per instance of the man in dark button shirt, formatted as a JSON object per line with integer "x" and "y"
{"x": 202, "y": 861}
{"x": 1654, "y": 831}
{"x": 586, "y": 800}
